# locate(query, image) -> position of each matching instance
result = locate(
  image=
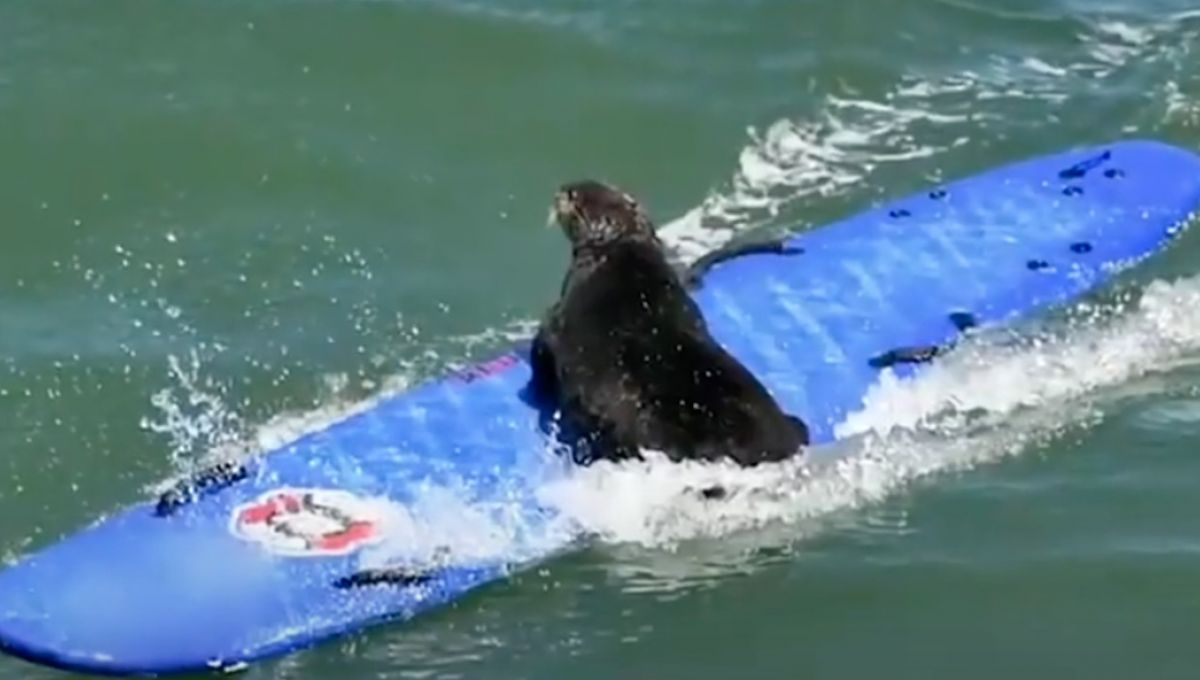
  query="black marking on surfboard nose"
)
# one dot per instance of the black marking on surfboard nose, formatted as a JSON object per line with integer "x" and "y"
{"x": 937, "y": 194}
{"x": 1085, "y": 166}
{"x": 1081, "y": 247}
{"x": 1037, "y": 265}
{"x": 1114, "y": 173}
{"x": 207, "y": 481}
{"x": 1072, "y": 191}
{"x": 899, "y": 213}
{"x": 390, "y": 576}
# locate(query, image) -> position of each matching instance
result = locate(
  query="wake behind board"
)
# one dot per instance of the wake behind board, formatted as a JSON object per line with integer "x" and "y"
{"x": 317, "y": 538}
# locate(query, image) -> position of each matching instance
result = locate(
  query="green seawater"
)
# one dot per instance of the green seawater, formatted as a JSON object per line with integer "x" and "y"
{"x": 218, "y": 218}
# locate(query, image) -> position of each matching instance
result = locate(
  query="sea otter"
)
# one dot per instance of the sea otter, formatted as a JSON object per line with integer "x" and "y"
{"x": 627, "y": 358}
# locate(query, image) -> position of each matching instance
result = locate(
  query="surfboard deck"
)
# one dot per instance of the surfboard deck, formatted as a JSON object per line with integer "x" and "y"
{"x": 429, "y": 493}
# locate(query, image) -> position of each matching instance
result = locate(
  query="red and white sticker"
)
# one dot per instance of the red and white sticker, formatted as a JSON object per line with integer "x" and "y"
{"x": 308, "y": 522}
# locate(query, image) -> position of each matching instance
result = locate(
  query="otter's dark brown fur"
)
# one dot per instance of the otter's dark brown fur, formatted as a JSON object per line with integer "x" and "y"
{"x": 627, "y": 356}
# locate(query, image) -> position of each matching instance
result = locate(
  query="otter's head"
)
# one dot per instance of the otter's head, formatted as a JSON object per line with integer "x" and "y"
{"x": 594, "y": 213}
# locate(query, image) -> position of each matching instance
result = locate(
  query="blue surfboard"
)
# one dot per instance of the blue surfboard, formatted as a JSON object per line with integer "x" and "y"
{"x": 420, "y": 497}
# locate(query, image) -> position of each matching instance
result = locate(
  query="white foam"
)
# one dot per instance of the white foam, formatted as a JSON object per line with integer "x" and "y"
{"x": 992, "y": 398}
{"x": 792, "y": 160}
{"x": 996, "y": 376}
{"x": 440, "y": 525}
{"x": 988, "y": 400}
{"x": 850, "y": 137}
{"x": 1039, "y": 66}
{"x": 997, "y": 395}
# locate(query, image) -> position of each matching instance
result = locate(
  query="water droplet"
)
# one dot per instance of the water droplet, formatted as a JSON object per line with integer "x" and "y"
{"x": 170, "y": 237}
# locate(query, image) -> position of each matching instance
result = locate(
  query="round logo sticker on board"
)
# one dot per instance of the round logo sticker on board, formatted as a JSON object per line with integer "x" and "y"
{"x": 308, "y": 522}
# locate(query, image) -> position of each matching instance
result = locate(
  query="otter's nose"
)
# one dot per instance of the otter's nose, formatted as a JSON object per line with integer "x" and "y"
{"x": 563, "y": 206}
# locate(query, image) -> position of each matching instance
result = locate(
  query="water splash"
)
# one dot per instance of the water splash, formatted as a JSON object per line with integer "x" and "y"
{"x": 992, "y": 398}
{"x": 192, "y": 413}
{"x": 853, "y": 137}
{"x": 795, "y": 160}
{"x": 997, "y": 395}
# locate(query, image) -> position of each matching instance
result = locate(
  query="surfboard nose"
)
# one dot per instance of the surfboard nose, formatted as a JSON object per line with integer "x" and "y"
{"x": 121, "y": 591}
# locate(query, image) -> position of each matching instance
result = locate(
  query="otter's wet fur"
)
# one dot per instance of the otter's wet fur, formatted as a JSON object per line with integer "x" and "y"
{"x": 627, "y": 356}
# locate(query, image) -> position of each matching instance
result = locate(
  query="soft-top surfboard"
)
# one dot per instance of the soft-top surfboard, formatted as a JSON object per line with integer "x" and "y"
{"x": 426, "y": 494}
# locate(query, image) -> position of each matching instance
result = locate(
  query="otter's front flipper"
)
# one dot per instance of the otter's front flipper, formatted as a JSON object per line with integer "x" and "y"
{"x": 801, "y": 429}
{"x": 543, "y": 383}
{"x": 692, "y": 276}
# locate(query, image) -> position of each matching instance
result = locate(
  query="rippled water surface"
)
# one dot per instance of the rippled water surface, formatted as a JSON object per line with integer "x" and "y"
{"x": 224, "y": 222}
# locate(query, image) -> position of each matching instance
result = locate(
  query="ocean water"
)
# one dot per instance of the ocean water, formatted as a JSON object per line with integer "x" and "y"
{"x": 224, "y": 222}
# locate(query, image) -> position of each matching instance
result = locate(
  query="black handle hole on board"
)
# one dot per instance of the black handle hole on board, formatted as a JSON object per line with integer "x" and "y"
{"x": 1081, "y": 247}
{"x": 963, "y": 321}
{"x": 1083, "y": 167}
{"x": 899, "y": 213}
{"x": 1072, "y": 191}
{"x": 397, "y": 577}
{"x": 204, "y": 482}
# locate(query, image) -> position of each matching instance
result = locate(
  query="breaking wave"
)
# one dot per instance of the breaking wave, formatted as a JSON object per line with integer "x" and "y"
{"x": 923, "y": 124}
{"x": 997, "y": 395}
